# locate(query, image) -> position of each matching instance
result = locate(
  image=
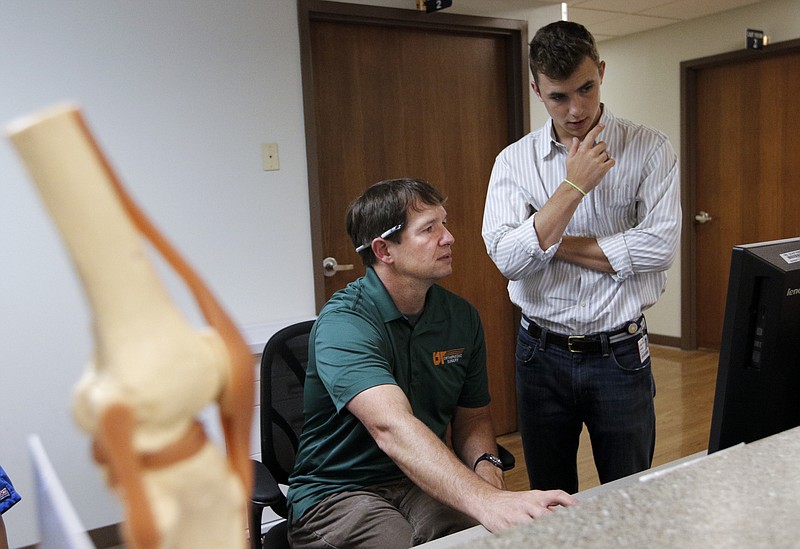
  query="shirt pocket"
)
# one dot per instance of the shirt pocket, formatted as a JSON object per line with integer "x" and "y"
{"x": 617, "y": 203}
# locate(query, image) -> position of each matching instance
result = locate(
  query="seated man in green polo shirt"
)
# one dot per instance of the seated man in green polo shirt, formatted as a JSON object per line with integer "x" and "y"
{"x": 394, "y": 359}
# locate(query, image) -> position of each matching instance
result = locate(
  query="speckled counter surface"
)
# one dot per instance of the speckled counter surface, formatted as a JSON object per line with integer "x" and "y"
{"x": 746, "y": 496}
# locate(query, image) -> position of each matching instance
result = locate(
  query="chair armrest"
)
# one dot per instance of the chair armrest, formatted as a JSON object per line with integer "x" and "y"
{"x": 266, "y": 491}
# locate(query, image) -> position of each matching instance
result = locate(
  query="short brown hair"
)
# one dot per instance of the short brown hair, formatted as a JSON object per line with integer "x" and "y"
{"x": 557, "y": 50}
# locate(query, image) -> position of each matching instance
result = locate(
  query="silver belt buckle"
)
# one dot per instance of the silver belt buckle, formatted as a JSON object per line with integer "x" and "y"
{"x": 569, "y": 343}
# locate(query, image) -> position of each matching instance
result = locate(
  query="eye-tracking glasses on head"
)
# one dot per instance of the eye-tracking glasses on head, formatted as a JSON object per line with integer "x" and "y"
{"x": 384, "y": 234}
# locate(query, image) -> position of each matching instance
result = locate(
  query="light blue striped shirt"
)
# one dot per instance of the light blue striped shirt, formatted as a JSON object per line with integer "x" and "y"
{"x": 634, "y": 214}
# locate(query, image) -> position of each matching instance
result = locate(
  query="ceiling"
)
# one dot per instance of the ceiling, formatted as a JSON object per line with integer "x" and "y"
{"x": 606, "y": 19}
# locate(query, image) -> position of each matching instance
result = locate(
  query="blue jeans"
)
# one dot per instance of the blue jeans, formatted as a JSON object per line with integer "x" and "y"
{"x": 558, "y": 391}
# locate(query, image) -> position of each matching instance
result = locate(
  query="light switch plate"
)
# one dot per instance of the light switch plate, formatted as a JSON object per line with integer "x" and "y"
{"x": 269, "y": 154}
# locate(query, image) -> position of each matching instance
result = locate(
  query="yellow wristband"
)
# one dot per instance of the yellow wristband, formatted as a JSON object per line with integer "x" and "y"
{"x": 574, "y": 186}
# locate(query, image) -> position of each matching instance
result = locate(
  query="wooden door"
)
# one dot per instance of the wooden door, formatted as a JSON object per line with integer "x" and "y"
{"x": 747, "y": 169}
{"x": 394, "y": 100}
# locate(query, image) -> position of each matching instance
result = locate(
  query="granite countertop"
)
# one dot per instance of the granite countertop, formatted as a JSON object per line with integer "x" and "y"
{"x": 745, "y": 496}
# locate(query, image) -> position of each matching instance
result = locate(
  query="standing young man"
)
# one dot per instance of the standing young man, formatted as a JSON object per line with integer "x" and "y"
{"x": 583, "y": 217}
{"x": 394, "y": 360}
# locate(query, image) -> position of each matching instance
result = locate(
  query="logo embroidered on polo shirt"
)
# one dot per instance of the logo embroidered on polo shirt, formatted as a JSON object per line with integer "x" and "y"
{"x": 447, "y": 357}
{"x": 5, "y": 493}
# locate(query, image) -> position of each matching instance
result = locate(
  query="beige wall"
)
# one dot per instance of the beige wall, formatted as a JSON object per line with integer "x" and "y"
{"x": 642, "y": 82}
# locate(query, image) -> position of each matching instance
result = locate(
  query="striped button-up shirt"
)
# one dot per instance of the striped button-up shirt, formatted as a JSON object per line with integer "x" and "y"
{"x": 634, "y": 214}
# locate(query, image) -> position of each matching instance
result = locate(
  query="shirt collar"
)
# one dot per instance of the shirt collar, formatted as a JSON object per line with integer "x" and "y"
{"x": 544, "y": 147}
{"x": 375, "y": 289}
{"x": 610, "y": 133}
{"x": 387, "y": 310}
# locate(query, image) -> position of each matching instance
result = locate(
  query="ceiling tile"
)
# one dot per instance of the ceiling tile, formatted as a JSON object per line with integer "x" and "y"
{"x": 690, "y": 9}
{"x": 620, "y": 6}
{"x": 628, "y": 24}
{"x": 605, "y": 18}
{"x": 589, "y": 18}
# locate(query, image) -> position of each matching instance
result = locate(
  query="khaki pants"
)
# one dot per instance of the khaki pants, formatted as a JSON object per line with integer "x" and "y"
{"x": 396, "y": 514}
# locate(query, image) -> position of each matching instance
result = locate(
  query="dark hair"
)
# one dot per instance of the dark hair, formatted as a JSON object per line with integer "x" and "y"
{"x": 383, "y": 206}
{"x": 559, "y": 48}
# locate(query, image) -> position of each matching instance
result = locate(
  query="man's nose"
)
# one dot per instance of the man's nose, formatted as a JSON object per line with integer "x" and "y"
{"x": 447, "y": 238}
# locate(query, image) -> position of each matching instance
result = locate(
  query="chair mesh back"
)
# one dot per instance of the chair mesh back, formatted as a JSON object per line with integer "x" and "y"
{"x": 283, "y": 366}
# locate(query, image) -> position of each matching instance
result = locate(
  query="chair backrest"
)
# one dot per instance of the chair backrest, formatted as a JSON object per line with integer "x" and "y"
{"x": 283, "y": 373}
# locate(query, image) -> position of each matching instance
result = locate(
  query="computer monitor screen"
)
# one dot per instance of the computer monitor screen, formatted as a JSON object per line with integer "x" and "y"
{"x": 758, "y": 380}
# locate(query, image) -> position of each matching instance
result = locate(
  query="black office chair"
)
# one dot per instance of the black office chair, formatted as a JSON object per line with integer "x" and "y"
{"x": 283, "y": 373}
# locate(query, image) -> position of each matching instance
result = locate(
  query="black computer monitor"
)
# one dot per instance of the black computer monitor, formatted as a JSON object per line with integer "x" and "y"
{"x": 758, "y": 381}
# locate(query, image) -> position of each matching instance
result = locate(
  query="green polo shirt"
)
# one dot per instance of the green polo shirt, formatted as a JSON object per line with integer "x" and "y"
{"x": 360, "y": 340}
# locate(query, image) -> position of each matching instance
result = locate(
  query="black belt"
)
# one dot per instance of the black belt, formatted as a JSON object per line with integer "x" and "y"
{"x": 590, "y": 343}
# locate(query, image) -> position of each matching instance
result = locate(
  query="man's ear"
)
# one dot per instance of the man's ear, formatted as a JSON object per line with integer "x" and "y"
{"x": 536, "y": 89}
{"x": 381, "y": 251}
{"x": 602, "y": 68}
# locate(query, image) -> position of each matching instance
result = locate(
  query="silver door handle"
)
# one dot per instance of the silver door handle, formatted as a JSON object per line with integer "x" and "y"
{"x": 330, "y": 266}
{"x": 703, "y": 217}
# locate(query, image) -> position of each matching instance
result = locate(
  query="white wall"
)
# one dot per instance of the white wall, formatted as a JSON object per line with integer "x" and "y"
{"x": 181, "y": 94}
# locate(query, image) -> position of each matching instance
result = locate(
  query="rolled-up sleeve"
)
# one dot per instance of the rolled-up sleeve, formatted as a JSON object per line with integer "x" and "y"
{"x": 651, "y": 244}
{"x": 508, "y": 231}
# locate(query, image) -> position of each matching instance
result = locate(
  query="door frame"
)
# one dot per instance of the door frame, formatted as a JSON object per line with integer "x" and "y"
{"x": 513, "y": 31}
{"x": 688, "y": 71}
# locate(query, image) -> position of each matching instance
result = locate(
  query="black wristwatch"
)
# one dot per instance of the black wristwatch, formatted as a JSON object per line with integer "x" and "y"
{"x": 491, "y": 458}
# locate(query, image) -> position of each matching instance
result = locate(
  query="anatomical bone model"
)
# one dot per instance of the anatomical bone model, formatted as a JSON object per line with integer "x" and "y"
{"x": 151, "y": 372}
